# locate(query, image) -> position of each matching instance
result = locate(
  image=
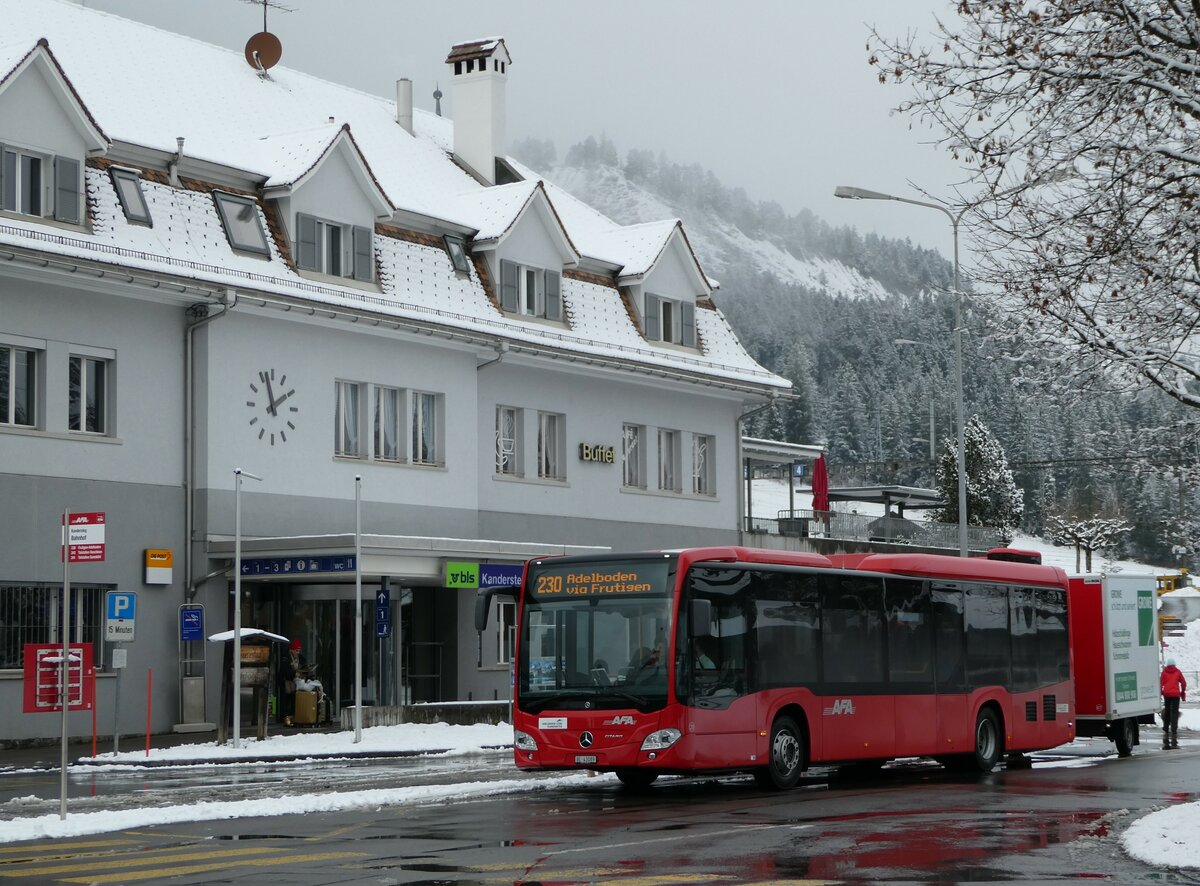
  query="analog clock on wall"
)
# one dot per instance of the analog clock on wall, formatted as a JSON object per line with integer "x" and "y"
{"x": 272, "y": 409}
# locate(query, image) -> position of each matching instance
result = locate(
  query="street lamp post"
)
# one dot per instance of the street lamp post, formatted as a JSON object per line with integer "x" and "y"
{"x": 358, "y": 619}
{"x": 863, "y": 194}
{"x": 238, "y": 473}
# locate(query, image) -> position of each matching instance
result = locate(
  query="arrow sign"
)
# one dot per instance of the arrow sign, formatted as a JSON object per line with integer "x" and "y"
{"x": 383, "y": 613}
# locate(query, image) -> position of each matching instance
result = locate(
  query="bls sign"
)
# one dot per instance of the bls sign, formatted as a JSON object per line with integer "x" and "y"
{"x": 597, "y": 452}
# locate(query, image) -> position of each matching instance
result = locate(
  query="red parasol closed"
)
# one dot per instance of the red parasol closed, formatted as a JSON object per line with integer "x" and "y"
{"x": 820, "y": 485}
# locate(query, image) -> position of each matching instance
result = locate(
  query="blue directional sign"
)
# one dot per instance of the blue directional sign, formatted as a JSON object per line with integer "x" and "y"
{"x": 191, "y": 622}
{"x": 383, "y": 613}
{"x": 297, "y": 565}
{"x": 120, "y": 609}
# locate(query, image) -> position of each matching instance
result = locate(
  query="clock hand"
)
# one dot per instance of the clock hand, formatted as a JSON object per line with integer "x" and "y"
{"x": 275, "y": 403}
{"x": 270, "y": 397}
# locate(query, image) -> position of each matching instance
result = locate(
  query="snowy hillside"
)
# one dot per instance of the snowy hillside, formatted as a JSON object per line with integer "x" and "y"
{"x": 718, "y": 243}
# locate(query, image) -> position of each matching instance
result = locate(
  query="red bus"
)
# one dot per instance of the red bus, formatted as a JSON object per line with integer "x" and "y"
{"x": 735, "y": 659}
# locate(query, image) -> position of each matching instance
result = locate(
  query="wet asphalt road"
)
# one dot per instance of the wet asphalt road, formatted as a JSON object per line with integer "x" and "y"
{"x": 912, "y": 823}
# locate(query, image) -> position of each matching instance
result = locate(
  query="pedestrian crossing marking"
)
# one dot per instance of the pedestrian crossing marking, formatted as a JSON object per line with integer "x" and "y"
{"x": 278, "y": 860}
{"x": 139, "y": 859}
{"x": 56, "y": 847}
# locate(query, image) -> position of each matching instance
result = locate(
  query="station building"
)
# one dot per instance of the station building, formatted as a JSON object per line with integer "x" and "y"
{"x": 211, "y": 264}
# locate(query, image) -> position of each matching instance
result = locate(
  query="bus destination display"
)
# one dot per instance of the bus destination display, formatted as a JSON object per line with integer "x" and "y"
{"x": 598, "y": 580}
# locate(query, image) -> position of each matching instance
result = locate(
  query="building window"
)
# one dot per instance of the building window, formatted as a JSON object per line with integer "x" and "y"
{"x": 668, "y": 460}
{"x": 18, "y": 386}
{"x": 550, "y": 445}
{"x": 506, "y": 625}
{"x": 703, "y": 476}
{"x": 633, "y": 472}
{"x": 32, "y": 613}
{"x": 347, "y": 419}
{"x": 670, "y": 320}
{"x": 508, "y": 440}
{"x": 128, "y": 185}
{"x": 242, "y": 223}
{"x": 425, "y": 437}
{"x": 532, "y": 292}
{"x": 456, "y": 247}
{"x": 387, "y": 423}
{"x": 25, "y": 184}
{"x": 335, "y": 249}
{"x": 87, "y": 396}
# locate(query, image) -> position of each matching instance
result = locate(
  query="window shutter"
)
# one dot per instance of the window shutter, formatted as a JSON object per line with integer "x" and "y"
{"x": 508, "y": 286}
{"x": 66, "y": 189}
{"x": 306, "y": 242}
{"x": 554, "y": 309}
{"x": 363, "y": 256}
{"x": 687, "y": 315}
{"x": 653, "y": 319}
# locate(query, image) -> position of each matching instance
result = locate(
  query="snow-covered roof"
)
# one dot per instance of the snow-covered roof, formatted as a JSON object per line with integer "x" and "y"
{"x": 275, "y": 131}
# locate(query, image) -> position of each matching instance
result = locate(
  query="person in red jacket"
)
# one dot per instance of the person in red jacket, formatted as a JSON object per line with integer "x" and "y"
{"x": 1174, "y": 690}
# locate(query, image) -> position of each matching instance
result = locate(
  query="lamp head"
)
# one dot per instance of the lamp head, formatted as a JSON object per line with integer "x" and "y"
{"x": 850, "y": 193}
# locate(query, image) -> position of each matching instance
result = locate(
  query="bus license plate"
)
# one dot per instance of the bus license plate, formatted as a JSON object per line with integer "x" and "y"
{"x": 589, "y": 758}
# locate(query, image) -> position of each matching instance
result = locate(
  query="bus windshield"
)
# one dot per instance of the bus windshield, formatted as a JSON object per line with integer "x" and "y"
{"x": 596, "y": 634}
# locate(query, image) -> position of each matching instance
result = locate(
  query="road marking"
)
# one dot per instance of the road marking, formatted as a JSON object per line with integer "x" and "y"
{"x": 56, "y": 847}
{"x": 141, "y": 859}
{"x": 673, "y": 838}
{"x": 286, "y": 861}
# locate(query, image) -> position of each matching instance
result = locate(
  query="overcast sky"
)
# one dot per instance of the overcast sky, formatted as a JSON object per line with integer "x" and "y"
{"x": 775, "y": 96}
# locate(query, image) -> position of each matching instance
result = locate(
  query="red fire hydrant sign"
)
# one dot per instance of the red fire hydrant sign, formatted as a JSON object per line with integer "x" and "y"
{"x": 43, "y": 672}
{"x": 85, "y": 537}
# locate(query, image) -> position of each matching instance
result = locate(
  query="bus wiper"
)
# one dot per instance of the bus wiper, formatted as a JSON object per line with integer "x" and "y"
{"x": 544, "y": 701}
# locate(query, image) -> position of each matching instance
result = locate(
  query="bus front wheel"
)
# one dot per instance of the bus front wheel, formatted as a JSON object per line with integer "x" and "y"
{"x": 637, "y": 779}
{"x": 987, "y": 741}
{"x": 787, "y": 756}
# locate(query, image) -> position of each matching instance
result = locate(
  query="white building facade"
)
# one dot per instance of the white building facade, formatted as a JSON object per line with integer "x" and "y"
{"x": 204, "y": 271}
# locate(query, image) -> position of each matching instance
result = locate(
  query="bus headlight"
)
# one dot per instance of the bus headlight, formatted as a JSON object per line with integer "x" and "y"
{"x": 661, "y": 740}
{"x": 523, "y": 741}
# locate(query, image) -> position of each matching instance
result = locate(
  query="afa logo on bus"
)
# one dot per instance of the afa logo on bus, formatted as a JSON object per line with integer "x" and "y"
{"x": 840, "y": 706}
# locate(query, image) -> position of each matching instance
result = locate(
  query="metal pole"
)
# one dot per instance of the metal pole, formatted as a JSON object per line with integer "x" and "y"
{"x": 962, "y": 419}
{"x": 358, "y": 625}
{"x": 238, "y": 473}
{"x": 64, "y": 692}
{"x": 237, "y": 607}
{"x": 932, "y": 429}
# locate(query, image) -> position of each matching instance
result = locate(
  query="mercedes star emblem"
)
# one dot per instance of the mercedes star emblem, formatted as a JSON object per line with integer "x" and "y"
{"x": 585, "y": 739}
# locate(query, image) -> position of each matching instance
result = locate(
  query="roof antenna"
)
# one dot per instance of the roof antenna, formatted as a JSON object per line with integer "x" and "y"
{"x": 437, "y": 98}
{"x": 263, "y": 50}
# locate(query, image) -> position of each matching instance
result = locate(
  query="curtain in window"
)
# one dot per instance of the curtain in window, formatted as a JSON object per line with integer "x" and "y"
{"x": 549, "y": 458}
{"x": 666, "y": 460}
{"x": 387, "y": 423}
{"x": 700, "y": 446}
{"x": 424, "y": 417}
{"x": 506, "y": 440}
{"x": 631, "y": 455}
{"x": 346, "y": 417}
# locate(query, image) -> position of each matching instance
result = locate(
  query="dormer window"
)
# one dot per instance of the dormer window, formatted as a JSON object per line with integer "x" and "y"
{"x": 39, "y": 184}
{"x": 670, "y": 320}
{"x": 128, "y": 185}
{"x": 531, "y": 291}
{"x": 457, "y": 249}
{"x": 332, "y": 248}
{"x": 243, "y": 226}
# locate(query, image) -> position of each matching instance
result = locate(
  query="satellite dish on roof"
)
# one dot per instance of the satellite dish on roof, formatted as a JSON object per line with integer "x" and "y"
{"x": 263, "y": 51}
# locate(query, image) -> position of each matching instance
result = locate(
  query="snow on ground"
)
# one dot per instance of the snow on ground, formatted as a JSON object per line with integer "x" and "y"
{"x": 415, "y": 737}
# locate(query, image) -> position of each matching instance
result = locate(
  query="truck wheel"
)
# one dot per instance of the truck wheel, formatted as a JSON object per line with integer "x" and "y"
{"x": 987, "y": 741}
{"x": 1125, "y": 736}
{"x": 787, "y": 756}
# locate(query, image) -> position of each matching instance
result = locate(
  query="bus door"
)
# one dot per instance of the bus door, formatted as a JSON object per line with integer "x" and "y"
{"x": 955, "y": 731}
{"x": 857, "y": 707}
{"x": 711, "y": 668}
{"x": 910, "y": 665}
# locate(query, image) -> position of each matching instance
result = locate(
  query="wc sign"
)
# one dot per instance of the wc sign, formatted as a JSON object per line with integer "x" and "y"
{"x": 120, "y": 609}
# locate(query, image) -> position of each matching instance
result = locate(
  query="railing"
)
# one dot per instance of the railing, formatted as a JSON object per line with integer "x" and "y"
{"x": 862, "y": 528}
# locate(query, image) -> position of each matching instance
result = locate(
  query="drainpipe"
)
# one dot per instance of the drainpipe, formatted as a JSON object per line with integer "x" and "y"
{"x": 501, "y": 350}
{"x": 227, "y": 300}
{"x": 744, "y": 495}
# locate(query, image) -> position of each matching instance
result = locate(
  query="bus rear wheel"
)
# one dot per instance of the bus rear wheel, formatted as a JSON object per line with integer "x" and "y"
{"x": 987, "y": 741}
{"x": 638, "y": 779}
{"x": 787, "y": 756}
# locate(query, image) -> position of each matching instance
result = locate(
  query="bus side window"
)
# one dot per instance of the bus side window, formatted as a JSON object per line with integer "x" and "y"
{"x": 852, "y": 614}
{"x": 949, "y": 638}
{"x": 910, "y": 637}
{"x": 787, "y": 621}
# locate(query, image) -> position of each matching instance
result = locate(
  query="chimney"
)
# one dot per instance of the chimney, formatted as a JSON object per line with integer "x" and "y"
{"x": 404, "y": 105}
{"x": 478, "y": 73}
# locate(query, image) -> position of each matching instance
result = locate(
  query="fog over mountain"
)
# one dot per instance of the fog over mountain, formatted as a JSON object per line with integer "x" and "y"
{"x": 823, "y": 306}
